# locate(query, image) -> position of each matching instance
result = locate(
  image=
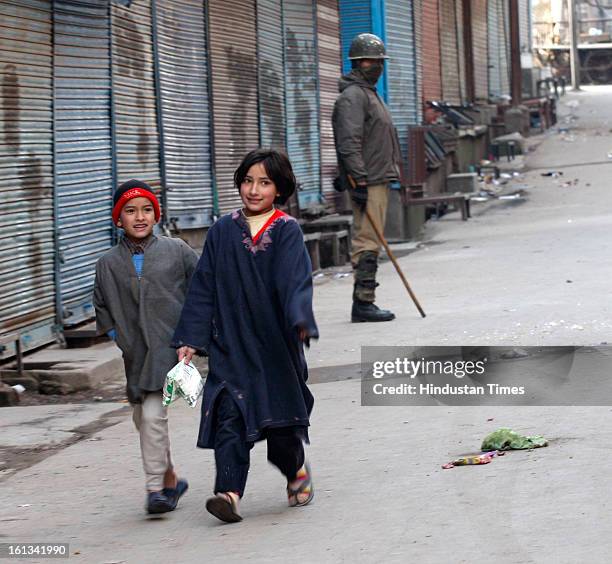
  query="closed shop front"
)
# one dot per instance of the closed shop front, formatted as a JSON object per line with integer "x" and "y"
{"x": 83, "y": 155}
{"x": 525, "y": 25}
{"x": 134, "y": 94}
{"x": 184, "y": 111}
{"x": 480, "y": 50}
{"x": 430, "y": 52}
{"x": 449, "y": 52}
{"x": 430, "y": 49}
{"x": 271, "y": 74}
{"x": 233, "y": 46}
{"x": 27, "y": 257}
{"x": 498, "y": 49}
{"x": 302, "y": 98}
{"x": 328, "y": 43}
{"x": 403, "y": 100}
{"x": 417, "y": 15}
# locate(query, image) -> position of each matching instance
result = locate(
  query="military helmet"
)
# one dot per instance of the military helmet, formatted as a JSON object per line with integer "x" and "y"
{"x": 367, "y": 46}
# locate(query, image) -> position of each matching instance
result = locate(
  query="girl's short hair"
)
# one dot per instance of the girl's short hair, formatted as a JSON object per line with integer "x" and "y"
{"x": 278, "y": 168}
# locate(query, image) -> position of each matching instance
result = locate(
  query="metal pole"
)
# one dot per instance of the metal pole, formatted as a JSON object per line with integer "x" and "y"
{"x": 515, "y": 54}
{"x": 573, "y": 38}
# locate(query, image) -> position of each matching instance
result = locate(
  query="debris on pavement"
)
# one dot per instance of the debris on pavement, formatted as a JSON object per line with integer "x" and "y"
{"x": 553, "y": 173}
{"x": 474, "y": 460}
{"x": 507, "y": 439}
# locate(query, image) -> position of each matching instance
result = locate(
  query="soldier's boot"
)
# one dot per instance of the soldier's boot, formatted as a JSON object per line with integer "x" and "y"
{"x": 364, "y": 292}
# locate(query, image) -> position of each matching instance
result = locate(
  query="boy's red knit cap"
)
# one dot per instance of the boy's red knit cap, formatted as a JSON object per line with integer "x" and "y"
{"x": 133, "y": 189}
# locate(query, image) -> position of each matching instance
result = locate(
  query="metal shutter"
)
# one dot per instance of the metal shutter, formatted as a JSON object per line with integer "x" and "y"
{"x": 134, "y": 94}
{"x": 499, "y": 49}
{"x": 401, "y": 77}
{"x": 479, "y": 50}
{"x": 271, "y": 80}
{"x": 430, "y": 50}
{"x": 27, "y": 258}
{"x": 83, "y": 156}
{"x": 301, "y": 92}
{"x": 328, "y": 28}
{"x": 180, "y": 27}
{"x": 524, "y": 25}
{"x": 355, "y": 18}
{"x": 234, "y": 89}
{"x": 417, "y": 18}
{"x": 449, "y": 52}
{"x": 504, "y": 60}
{"x": 493, "y": 51}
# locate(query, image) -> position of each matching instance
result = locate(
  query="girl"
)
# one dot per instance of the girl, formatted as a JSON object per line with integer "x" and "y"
{"x": 249, "y": 308}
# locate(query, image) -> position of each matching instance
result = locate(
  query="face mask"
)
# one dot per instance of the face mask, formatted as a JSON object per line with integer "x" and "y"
{"x": 372, "y": 73}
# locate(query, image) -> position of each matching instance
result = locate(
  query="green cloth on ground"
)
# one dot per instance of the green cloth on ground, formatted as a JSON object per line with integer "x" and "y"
{"x": 507, "y": 439}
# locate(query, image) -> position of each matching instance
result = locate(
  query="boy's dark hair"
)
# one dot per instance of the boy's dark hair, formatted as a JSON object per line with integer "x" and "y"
{"x": 278, "y": 168}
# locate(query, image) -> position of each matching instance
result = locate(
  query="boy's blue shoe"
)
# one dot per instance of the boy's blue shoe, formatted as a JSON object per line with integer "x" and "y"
{"x": 157, "y": 502}
{"x": 174, "y": 494}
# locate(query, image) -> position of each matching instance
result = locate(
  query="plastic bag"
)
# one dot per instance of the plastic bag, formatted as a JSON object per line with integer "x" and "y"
{"x": 507, "y": 439}
{"x": 183, "y": 381}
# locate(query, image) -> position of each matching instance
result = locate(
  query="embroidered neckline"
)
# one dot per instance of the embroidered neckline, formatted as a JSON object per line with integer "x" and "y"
{"x": 262, "y": 240}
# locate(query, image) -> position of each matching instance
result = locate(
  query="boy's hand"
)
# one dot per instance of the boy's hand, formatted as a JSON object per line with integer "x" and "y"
{"x": 185, "y": 354}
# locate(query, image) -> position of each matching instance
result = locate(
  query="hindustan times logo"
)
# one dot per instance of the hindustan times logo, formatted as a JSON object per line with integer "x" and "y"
{"x": 422, "y": 367}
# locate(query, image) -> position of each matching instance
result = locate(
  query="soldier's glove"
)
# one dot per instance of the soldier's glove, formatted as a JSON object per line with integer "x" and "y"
{"x": 359, "y": 195}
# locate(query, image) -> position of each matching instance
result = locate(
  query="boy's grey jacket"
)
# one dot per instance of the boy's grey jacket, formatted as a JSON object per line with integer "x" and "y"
{"x": 366, "y": 139}
{"x": 145, "y": 312}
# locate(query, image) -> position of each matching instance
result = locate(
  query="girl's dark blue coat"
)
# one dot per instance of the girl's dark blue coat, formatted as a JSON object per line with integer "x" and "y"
{"x": 244, "y": 307}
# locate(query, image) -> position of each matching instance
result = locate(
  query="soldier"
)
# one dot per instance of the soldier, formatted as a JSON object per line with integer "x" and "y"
{"x": 369, "y": 160}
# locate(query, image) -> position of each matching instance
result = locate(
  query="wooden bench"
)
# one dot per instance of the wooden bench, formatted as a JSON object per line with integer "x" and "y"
{"x": 340, "y": 252}
{"x": 312, "y": 241}
{"x": 461, "y": 202}
{"x": 14, "y": 338}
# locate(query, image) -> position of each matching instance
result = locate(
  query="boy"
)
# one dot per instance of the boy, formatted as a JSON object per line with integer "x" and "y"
{"x": 249, "y": 307}
{"x": 139, "y": 291}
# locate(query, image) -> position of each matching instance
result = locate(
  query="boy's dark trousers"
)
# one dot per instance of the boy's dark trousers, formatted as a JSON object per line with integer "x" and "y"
{"x": 232, "y": 451}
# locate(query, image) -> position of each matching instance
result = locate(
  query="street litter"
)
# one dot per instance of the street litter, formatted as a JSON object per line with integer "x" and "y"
{"x": 183, "y": 381}
{"x": 341, "y": 275}
{"x": 474, "y": 460}
{"x": 507, "y": 439}
{"x": 553, "y": 173}
{"x": 18, "y": 388}
{"x": 319, "y": 275}
{"x": 512, "y": 197}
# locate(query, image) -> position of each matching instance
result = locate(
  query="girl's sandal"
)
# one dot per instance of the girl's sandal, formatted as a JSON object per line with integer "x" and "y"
{"x": 224, "y": 507}
{"x": 305, "y": 487}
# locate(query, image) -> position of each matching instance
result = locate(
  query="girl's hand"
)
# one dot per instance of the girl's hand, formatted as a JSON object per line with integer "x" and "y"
{"x": 185, "y": 354}
{"x": 303, "y": 336}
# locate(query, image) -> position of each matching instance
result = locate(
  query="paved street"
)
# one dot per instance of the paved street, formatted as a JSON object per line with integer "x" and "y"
{"x": 520, "y": 272}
